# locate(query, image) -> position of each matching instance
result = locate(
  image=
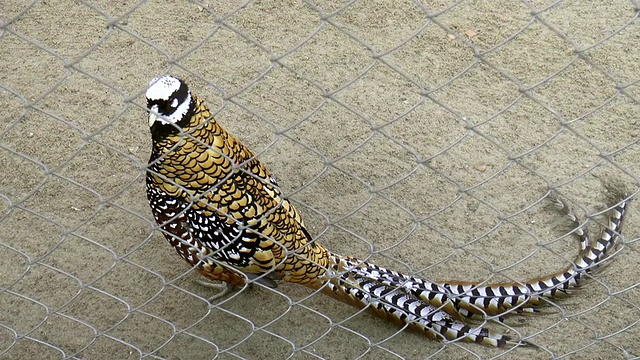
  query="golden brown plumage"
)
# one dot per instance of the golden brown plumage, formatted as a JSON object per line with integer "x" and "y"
{"x": 224, "y": 213}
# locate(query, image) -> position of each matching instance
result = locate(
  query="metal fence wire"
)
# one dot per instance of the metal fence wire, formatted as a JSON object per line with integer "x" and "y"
{"x": 423, "y": 136}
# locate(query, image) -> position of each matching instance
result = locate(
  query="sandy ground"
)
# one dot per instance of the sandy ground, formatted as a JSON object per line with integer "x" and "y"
{"x": 425, "y": 136}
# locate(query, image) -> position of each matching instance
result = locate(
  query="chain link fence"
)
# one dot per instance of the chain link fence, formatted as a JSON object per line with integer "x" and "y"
{"x": 422, "y": 136}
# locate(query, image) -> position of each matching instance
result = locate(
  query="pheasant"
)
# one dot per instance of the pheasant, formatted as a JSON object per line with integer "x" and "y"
{"x": 223, "y": 212}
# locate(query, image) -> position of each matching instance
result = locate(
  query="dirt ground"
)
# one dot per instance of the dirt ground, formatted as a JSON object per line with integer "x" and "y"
{"x": 424, "y": 136}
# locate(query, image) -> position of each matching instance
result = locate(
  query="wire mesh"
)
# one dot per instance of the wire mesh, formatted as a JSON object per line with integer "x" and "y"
{"x": 423, "y": 136}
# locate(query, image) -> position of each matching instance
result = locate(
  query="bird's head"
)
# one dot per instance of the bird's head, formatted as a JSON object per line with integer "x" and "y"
{"x": 169, "y": 103}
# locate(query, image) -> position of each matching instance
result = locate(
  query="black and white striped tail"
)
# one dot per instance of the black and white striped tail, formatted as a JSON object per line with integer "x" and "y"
{"x": 438, "y": 308}
{"x": 359, "y": 285}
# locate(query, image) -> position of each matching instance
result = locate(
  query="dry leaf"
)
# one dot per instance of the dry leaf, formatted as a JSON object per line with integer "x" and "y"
{"x": 470, "y": 33}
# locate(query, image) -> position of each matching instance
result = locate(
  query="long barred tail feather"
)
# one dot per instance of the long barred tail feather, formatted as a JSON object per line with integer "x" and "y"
{"x": 498, "y": 298}
{"x": 353, "y": 283}
{"x": 440, "y": 308}
{"x": 578, "y": 228}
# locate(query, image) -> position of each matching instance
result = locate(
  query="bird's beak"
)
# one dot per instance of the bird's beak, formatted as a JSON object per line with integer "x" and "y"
{"x": 153, "y": 115}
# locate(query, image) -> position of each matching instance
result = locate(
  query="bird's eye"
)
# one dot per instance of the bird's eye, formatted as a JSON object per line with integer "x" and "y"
{"x": 174, "y": 103}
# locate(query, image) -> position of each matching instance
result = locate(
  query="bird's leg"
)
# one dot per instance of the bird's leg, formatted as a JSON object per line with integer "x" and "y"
{"x": 223, "y": 288}
{"x": 215, "y": 273}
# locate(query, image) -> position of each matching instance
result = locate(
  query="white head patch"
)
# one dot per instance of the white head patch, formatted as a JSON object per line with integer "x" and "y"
{"x": 168, "y": 99}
